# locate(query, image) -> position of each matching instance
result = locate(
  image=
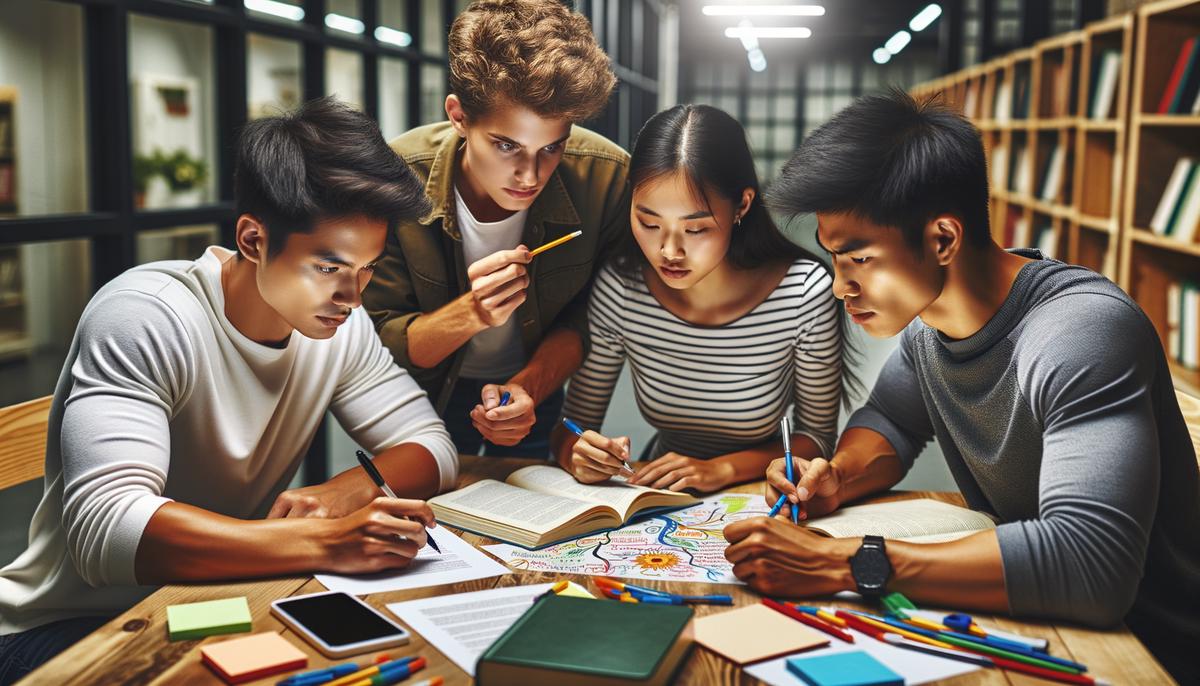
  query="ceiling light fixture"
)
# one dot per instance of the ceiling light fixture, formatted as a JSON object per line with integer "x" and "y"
{"x": 343, "y": 23}
{"x": 385, "y": 35}
{"x": 278, "y": 9}
{"x": 925, "y": 17}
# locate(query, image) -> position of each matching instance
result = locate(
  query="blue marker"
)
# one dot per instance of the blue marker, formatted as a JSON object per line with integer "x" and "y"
{"x": 504, "y": 398}
{"x": 785, "y": 428}
{"x": 579, "y": 432}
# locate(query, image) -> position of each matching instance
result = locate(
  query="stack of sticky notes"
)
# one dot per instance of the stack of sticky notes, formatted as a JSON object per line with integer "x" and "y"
{"x": 849, "y": 668}
{"x": 755, "y": 632}
{"x": 209, "y": 618}
{"x": 252, "y": 657}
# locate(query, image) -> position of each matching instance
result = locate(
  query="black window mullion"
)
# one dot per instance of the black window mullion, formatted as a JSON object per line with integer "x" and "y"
{"x": 314, "y": 50}
{"x": 111, "y": 158}
{"x": 232, "y": 107}
{"x": 414, "y": 65}
{"x": 370, "y": 20}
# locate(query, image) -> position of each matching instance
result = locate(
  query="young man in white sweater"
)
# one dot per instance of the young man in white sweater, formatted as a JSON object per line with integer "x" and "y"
{"x": 193, "y": 389}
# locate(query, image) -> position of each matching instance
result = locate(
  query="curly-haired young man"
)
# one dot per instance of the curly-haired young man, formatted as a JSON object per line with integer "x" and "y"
{"x": 457, "y": 298}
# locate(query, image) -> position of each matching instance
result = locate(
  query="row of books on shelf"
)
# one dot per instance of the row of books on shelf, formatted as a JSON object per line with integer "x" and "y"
{"x": 1178, "y": 211}
{"x": 1020, "y": 173}
{"x": 1007, "y": 105}
{"x": 1182, "y": 93}
{"x": 1183, "y": 323}
{"x": 1106, "y": 71}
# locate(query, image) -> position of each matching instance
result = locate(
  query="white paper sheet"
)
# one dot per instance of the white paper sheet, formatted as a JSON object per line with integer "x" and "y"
{"x": 916, "y": 668}
{"x": 458, "y": 561}
{"x": 463, "y": 625}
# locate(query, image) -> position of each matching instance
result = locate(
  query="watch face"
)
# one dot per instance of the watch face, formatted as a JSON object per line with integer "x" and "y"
{"x": 870, "y": 568}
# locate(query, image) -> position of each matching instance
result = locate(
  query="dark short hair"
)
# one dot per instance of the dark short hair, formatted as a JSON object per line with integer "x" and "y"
{"x": 322, "y": 161}
{"x": 893, "y": 160}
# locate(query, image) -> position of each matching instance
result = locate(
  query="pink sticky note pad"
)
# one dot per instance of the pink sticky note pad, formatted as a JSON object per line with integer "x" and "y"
{"x": 252, "y": 657}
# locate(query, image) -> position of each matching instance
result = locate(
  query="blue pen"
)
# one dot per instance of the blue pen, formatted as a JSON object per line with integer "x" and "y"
{"x": 785, "y": 429}
{"x": 993, "y": 642}
{"x": 579, "y": 432}
{"x": 320, "y": 676}
{"x": 778, "y": 504}
{"x": 504, "y": 398}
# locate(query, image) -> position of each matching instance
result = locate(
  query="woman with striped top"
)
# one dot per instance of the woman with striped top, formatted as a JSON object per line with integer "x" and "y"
{"x": 725, "y": 323}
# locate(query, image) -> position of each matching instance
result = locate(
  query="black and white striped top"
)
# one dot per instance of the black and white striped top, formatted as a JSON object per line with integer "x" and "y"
{"x": 713, "y": 390}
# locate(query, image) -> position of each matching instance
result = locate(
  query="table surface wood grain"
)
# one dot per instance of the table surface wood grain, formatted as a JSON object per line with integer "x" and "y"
{"x": 133, "y": 647}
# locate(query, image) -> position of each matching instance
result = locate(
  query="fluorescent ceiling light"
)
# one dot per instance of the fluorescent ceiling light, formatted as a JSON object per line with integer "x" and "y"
{"x": 897, "y": 42}
{"x": 758, "y": 61}
{"x": 764, "y": 10}
{"x": 278, "y": 9}
{"x": 925, "y": 17}
{"x": 385, "y": 35}
{"x": 768, "y": 32}
{"x": 748, "y": 42}
{"x": 344, "y": 23}
{"x": 881, "y": 56}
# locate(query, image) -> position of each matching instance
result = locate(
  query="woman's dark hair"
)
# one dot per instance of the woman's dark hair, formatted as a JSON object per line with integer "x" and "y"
{"x": 322, "y": 161}
{"x": 710, "y": 148}
{"x": 893, "y": 160}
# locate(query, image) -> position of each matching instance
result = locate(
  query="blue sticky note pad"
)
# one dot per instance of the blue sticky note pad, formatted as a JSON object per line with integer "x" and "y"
{"x": 850, "y": 668}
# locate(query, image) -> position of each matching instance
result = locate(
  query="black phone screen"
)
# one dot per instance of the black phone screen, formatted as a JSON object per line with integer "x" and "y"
{"x": 338, "y": 619}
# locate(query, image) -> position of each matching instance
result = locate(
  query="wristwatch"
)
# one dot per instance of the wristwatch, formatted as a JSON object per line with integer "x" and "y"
{"x": 870, "y": 567}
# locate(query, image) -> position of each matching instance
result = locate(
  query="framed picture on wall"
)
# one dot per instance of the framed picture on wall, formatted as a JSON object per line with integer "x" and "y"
{"x": 168, "y": 138}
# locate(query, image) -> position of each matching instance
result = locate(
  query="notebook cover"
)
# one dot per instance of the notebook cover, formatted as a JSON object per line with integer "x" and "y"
{"x": 209, "y": 618}
{"x": 252, "y": 657}
{"x": 606, "y": 638}
{"x": 851, "y": 668}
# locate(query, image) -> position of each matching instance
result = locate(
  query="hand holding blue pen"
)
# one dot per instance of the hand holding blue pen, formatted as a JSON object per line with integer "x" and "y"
{"x": 578, "y": 431}
{"x": 785, "y": 430}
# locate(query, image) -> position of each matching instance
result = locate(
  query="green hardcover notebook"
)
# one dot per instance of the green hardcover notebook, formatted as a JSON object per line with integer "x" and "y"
{"x": 209, "y": 618}
{"x": 589, "y": 643}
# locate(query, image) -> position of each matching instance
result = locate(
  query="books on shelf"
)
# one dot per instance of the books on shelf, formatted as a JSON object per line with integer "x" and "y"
{"x": 1021, "y": 82}
{"x": 1183, "y": 323}
{"x": 999, "y": 169}
{"x": 1107, "y": 71}
{"x": 1178, "y": 211}
{"x": 1045, "y": 239}
{"x": 1183, "y": 86}
{"x": 1020, "y": 177}
{"x": 971, "y": 104}
{"x": 1053, "y": 172}
{"x": 1016, "y": 231}
{"x": 1002, "y": 103}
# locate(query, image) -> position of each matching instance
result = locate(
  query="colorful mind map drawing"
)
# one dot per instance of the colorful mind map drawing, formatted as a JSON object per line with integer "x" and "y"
{"x": 685, "y": 545}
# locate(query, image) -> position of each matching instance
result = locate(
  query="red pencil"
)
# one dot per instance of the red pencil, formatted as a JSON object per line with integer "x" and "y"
{"x": 815, "y": 623}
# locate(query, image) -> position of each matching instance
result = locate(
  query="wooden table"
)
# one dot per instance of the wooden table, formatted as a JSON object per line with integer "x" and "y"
{"x": 133, "y": 648}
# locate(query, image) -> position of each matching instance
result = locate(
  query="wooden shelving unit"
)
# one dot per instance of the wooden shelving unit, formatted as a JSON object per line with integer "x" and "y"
{"x": 1150, "y": 262}
{"x": 1047, "y": 158}
{"x": 14, "y": 321}
{"x": 1120, "y": 159}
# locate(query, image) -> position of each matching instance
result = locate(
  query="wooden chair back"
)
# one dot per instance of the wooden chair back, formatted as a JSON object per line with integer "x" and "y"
{"x": 23, "y": 441}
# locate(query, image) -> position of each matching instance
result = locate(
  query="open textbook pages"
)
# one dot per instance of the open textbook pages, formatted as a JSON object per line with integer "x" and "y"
{"x": 917, "y": 521}
{"x": 538, "y": 505}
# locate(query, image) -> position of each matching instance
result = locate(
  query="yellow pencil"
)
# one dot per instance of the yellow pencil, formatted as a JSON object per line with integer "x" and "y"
{"x": 554, "y": 243}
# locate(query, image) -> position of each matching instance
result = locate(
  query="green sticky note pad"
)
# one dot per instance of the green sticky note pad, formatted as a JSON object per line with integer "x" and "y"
{"x": 209, "y": 618}
{"x": 850, "y": 668}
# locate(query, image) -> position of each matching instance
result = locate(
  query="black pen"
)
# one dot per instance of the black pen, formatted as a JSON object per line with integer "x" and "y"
{"x": 387, "y": 490}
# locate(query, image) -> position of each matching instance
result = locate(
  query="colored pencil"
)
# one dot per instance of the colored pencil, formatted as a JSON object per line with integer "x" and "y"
{"x": 819, "y": 625}
{"x": 554, "y": 243}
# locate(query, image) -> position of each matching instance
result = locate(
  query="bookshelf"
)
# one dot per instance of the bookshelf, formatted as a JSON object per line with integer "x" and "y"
{"x": 14, "y": 321}
{"x": 1151, "y": 261}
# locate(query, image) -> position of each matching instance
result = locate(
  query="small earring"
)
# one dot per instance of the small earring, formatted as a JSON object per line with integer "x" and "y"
{"x": 737, "y": 221}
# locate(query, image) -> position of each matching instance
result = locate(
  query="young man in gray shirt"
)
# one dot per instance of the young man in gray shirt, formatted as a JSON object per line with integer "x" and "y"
{"x": 1044, "y": 384}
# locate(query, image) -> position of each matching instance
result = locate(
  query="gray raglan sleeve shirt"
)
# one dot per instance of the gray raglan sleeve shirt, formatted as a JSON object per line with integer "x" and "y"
{"x": 1087, "y": 382}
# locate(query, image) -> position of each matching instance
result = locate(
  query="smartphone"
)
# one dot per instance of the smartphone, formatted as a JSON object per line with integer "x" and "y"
{"x": 338, "y": 624}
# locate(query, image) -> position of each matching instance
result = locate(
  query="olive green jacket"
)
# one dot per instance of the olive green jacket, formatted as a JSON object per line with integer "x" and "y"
{"x": 423, "y": 268}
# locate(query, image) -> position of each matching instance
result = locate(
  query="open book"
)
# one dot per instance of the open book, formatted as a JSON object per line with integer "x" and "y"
{"x": 539, "y": 505}
{"x": 918, "y": 521}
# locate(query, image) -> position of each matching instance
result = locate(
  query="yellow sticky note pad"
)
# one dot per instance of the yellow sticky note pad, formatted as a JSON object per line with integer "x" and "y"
{"x": 252, "y": 657}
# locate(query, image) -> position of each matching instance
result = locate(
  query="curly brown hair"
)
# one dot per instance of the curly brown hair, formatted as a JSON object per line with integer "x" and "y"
{"x": 536, "y": 53}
